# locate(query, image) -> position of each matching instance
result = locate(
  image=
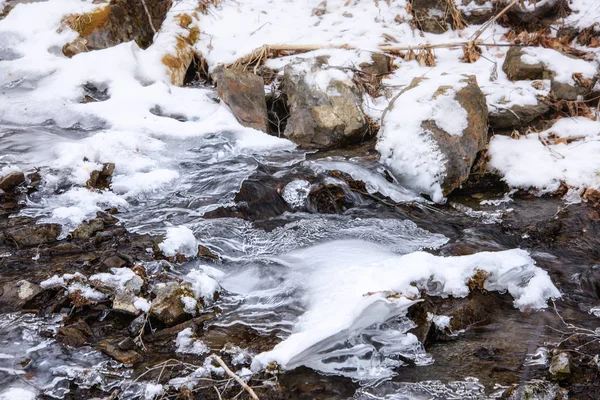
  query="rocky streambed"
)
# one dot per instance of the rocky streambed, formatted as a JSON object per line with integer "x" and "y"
{"x": 102, "y": 311}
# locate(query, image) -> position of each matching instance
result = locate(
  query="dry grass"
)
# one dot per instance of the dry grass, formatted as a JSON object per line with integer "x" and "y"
{"x": 204, "y": 5}
{"x": 453, "y": 13}
{"x": 86, "y": 24}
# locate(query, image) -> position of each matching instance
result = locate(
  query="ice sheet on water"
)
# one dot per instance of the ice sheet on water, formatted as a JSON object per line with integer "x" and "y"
{"x": 349, "y": 290}
{"x": 374, "y": 180}
{"x": 53, "y": 366}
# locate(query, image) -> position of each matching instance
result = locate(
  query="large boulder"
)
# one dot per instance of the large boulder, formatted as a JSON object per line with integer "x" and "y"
{"x": 324, "y": 106}
{"x": 119, "y": 21}
{"x": 432, "y": 132}
{"x": 244, "y": 93}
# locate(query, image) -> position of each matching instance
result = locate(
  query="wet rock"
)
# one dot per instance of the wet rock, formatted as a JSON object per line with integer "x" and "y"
{"x": 101, "y": 179}
{"x": 27, "y": 290}
{"x": 123, "y": 302}
{"x": 34, "y": 235}
{"x": 128, "y": 357}
{"x": 13, "y": 296}
{"x": 589, "y": 281}
{"x": 461, "y": 151}
{"x": 205, "y": 252}
{"x": 117, "y": 22}
{"x": 517, "y": 115}
{"x": 74, "y": 335}
{"x": 114, "y": 262}
{"x": 12, "y": 180}
{"x": 168, "y": 307}
{"x": 535, "y": 389}
{"x": 106, "y": 218}
{"x": 560, "y": 366}
{"x": 329, "y": 199}
{"x": 518, "y": 70}
{"x": 322, "y": 117}
{"x": 87, "y": 229}
{"x": 244, "y": 93}
{"x": 137, "y": 325}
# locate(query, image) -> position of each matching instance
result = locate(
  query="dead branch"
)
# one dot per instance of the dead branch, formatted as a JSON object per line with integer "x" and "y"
{"x": 235, "y": 377}
{"x": 148, "y": 15}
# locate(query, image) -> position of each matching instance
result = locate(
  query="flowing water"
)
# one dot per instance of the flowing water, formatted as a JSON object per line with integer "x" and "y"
{"x": 301, "y": 276}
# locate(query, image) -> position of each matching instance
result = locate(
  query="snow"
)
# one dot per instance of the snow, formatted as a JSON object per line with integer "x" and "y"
{"x": 179, "y": 240}
{"x": 562, "y": 65}
{"x": 528, "y": 163}
{"x": 296, "y": 192}
{"x": 441, "y": 322}
{"x": 187, "y": 344}
{"x": 120, "y": 279}
{"x": 153, "y": 390}
{"x": 349, "y": 293}
{"x": 190, "y": 305}
{"x": 203, "y": 286}
{"x": 16, "y": 393}
{"x": 142, "y": 304}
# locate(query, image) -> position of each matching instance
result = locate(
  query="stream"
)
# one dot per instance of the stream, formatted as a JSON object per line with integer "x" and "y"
{"x": 303, "y": 275}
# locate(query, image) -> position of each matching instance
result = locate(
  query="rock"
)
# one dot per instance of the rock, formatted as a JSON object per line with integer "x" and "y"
{"x": 380, "y": 65}
{"x": 106, "y": 218}
{"x": 179, "y": 61}
{"x": 87, "y": 229}
{"x": 517, "y": 70}
{"x": 123, "y": 356}
{"x": 560, "y": 365}
{"x": 244, "y": 93}
{"x": 13, "y": 296}
{"x": 430, "y": 15}
{"x": 535, "y": 389}
{"x": 12, "y": 180}
{"x": 326, "y": 116}
{"x": 258, "y": 197}
{"x": 34, "y": 235}
{"x": 74, "y": 335}
{"x": 479, "y": 12}
{"x": 117, "y": 22}
{"x": 167, "y": 307}
{"x": 114, "y": 262}
{"x": 205, "y": 252}
{"x": 533, "y": 16}
{"x": 460, "y": 151}
{"x": 589, "y": 280}
{"x": 27, "y": 290}
{"x": 101, "y": 179}
{"x": 329, "y": 199}
{"x": 566, "y": 91}
{"x": 517, "y": 115}
{"x": 123, "y": 302}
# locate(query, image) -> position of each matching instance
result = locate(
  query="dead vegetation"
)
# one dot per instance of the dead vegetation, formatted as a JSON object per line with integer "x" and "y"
{"x": 86, "y": 24}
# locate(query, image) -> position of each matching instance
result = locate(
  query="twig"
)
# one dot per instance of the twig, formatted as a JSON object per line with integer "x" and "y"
{"x": 148, "y": 15}
{"x": 235, "y": 377}
{"x": 491, "y": 21}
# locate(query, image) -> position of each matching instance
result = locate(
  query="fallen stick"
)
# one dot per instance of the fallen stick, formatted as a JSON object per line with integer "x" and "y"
{"x": 491, "y": 21}
{"x": 235, "y": 377}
